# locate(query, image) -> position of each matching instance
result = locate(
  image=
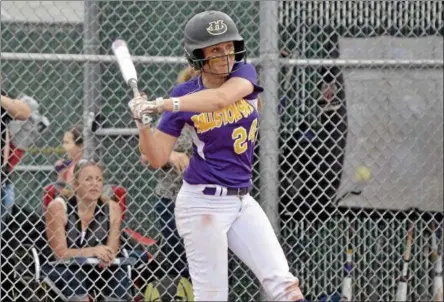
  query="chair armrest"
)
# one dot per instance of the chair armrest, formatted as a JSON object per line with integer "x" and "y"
{"x": 128, "y": 267}
{"x": 37, "y": 267}
{"x": 94, "y": 261}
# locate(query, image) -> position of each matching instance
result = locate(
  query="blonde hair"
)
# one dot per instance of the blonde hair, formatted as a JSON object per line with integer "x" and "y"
{"x": 260, "y": 104}
{"x": 69, "y": 192}
{"x": 186, "y": 74}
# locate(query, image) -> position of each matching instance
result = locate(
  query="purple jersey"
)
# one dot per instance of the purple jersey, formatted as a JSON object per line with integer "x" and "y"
{"x": 223, "y": 141}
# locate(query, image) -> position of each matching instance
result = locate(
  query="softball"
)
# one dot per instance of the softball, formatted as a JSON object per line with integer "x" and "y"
{"x": 363, "y": 173}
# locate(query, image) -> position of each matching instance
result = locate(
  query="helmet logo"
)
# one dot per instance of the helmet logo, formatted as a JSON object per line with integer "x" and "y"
{"x": 217, "y": 28}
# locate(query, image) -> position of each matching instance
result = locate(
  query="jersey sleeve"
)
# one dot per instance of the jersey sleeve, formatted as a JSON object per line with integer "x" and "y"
{"x": 172, "y": 123}
{"x": 248, "y": 72}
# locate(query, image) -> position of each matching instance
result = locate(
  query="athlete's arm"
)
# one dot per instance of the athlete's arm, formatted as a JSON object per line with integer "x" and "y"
{"x": 211, "y": 100}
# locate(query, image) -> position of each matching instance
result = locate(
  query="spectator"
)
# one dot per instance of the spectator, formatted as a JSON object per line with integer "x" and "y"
{"x": 22, "y": 134}
{"x": 11, "y": 109}
{"x": 73, "y": 146}
{"x": 83, "y": 223}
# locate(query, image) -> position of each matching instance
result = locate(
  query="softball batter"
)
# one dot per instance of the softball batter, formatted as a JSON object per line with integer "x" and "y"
{"x": 214, "y": 210}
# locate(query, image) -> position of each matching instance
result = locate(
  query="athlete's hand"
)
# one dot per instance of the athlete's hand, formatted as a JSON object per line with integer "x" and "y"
{"x": 141, "y": 109}
{"x": 137, "y": 105}
{"x": 156, "y": 106}
{"x": 179, "y": 160}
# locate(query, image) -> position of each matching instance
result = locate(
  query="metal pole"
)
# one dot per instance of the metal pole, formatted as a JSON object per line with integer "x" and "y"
{"x": 345, "y": 63}
{"x": 269, "y": 127}
{"x": 91, "y": 80}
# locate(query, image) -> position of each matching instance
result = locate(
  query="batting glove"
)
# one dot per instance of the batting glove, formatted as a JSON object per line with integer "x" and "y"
{"x": 136, "y": 105}
{"x": 140, "y": 109}
{"x": 156, "y": 106}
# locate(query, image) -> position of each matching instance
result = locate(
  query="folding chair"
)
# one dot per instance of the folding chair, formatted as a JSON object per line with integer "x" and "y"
{"x": 119, "y": 194}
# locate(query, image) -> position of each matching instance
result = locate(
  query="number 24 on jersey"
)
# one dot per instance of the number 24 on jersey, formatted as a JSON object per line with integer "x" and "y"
{"x": 241, "y": 137}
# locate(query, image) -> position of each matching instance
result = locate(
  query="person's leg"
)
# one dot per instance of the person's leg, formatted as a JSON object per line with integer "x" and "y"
{"x": 203, "y": 222}
{"x": 252, "y": 239}
{"x": 4, "y": 294}
{"x": 9, "y": 197}
{"x": 6, "y": 278}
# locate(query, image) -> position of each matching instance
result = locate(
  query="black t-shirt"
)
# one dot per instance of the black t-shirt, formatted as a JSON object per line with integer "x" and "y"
{"x": 6, "y": 118}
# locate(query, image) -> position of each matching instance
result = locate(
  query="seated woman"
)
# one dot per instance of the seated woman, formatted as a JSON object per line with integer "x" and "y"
{"x": 84, "y": 223}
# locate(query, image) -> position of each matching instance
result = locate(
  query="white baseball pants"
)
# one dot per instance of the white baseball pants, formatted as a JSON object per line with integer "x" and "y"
{"x": 210, "y": 225}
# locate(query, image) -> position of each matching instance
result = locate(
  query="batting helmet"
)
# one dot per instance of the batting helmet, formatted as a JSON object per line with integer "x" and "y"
{"x": 210, "y": 28}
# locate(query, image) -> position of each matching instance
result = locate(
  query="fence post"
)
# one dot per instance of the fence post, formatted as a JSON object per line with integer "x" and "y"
{"x": 269, "y": 127}
{"x": 91, "y": 78}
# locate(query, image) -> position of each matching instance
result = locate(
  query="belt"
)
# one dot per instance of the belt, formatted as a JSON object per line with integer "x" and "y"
{"x": 225, "y": 191}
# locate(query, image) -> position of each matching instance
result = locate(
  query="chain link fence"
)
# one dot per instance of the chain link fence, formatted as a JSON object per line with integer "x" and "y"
{"x": 350, "y": 146}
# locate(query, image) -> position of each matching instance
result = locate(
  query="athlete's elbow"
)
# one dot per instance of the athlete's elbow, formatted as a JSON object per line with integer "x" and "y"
{"x": 152, "y": 158}
{"x": 153, "y": 163}
{"x": 156, "y": 164}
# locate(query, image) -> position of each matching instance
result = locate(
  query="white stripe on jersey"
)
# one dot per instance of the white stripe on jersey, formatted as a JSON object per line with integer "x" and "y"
{"x": 253, "y": 102}
{"x": 199, "y": 144}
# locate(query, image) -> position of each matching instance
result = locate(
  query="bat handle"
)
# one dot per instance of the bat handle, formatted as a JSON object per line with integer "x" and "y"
{"x": 146, "y": 119}
{"x": 133, "y": 84}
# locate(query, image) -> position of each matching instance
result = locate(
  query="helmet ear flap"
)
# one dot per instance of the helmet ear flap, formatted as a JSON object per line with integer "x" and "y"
{"x": 239, "y": 49}
{"x": 189, "y": 58}
{"x": 198, "y": 65}
{"x": 190, "y": 61}
{"x": 194, "y": 60}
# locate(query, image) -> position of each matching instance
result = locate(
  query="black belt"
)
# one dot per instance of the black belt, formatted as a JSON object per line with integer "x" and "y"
{"x": 230, "y": 191}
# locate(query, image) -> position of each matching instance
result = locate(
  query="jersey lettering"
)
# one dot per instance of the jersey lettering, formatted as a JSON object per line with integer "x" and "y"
{"x": 207, "y": 121}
